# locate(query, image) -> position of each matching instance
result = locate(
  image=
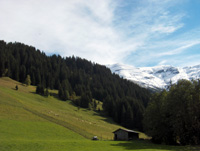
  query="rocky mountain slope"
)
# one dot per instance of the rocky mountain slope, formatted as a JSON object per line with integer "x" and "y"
{"x": 158, "y": 77}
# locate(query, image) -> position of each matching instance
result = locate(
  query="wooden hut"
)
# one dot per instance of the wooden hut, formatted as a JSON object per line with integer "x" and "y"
{"x": 125, "y": 134}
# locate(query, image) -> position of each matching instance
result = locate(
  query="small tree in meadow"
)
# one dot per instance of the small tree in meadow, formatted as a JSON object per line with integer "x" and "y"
{"x": 28, "y": 80}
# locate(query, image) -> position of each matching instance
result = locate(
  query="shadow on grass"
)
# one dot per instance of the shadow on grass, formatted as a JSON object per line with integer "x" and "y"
{"x": 145, "y": 144}
{"x": 55, "y": 95}
{"x": 105, "y": 117}
{"x": 50, "y": 94}
{"x": 96, "y": 113}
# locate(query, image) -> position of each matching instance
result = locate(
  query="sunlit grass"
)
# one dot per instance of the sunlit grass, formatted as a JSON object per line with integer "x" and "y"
{"x": 24, "y": 104}
{"x": 35, "y": 123}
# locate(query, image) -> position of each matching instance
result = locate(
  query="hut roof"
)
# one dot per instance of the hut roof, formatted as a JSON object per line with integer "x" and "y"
{"x": 126, "y": 130}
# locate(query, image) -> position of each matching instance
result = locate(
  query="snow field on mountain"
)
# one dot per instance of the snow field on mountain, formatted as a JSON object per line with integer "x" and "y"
{"x": 155, "y": 77}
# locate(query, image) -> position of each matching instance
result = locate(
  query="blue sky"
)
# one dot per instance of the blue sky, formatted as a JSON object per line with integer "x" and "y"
{"x": 135, "y": 32}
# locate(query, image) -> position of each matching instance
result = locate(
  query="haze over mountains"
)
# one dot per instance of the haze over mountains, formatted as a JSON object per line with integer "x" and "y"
{"x": 158, "y": 77}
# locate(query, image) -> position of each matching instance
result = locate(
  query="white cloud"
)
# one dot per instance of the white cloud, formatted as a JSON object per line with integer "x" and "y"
{"x": 163, "y": 62}
{"x": 186, "y": 45}
{"x": 65, "y": 27}
{"x": 105, "y": 31}
{"x": 165, "y": 29}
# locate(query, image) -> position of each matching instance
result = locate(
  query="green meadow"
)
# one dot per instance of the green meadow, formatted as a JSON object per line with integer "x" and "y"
{"x": 30, "y": 122}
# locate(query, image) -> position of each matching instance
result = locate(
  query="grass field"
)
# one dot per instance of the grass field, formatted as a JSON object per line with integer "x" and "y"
{"x": 30, "y": 122}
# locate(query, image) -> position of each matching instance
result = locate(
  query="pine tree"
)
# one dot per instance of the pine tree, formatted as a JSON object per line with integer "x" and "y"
{"x": 40, "y": 89}
{"x": 94, "y": 104}
{"x": 22, "y": 74}
{"x": 123, "y": 116}
{"x": 60, "y": 92}
{"x": 28, "y": 80}
{"x": 65, "y": 95}
{"x": 73, "y": 96}
{"x": 46, "y": 92}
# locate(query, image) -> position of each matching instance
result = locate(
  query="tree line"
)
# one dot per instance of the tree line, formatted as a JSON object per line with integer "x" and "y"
{"x": 73, "y": 76}
{"x": 173, "y": 117}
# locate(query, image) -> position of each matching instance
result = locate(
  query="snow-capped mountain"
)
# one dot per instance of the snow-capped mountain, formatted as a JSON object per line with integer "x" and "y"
{"x": 158, "y": 77}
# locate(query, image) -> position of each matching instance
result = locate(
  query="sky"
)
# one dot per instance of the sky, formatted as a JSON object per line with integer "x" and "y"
{"x": 142, "y": 33}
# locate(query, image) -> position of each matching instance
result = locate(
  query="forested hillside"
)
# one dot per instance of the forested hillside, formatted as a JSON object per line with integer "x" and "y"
{"x": 73, "y": 76}
{"x": 174, "y": 116}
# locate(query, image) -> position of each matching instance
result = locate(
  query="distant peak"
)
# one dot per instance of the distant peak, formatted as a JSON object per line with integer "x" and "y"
{"x": 157, "y": 76}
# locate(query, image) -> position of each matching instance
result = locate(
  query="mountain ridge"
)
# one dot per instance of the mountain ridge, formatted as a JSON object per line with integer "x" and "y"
{"x": 157, "y": 77}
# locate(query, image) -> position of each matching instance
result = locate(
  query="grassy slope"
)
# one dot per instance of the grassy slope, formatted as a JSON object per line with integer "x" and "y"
{"x": 31, "y": 122}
